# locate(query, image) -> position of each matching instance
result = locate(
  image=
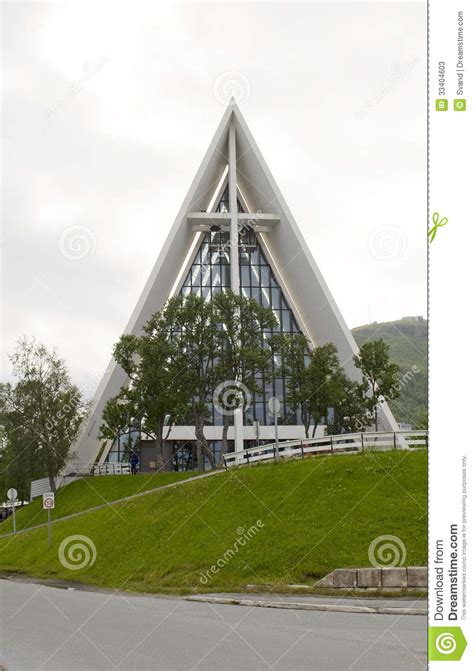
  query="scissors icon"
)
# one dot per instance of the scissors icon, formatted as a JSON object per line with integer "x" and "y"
{"x": 437, "y": 224}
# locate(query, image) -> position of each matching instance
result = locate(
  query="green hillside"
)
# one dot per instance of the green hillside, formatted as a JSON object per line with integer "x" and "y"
{"x": 290, "y": 523}
{"x": 88, "y": 493}
{"x": 408, "y": 341}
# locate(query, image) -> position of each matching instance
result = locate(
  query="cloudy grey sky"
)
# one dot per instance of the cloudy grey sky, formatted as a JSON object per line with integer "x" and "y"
{"x": 108, "y": 110}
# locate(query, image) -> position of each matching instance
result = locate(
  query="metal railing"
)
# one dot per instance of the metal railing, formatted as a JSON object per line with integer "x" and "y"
{"x": 111, "y": 469}
{"x": 77, "y": 470}
{"x": 346, "y": 442}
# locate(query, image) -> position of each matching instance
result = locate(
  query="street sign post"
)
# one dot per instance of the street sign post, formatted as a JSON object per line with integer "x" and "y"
{"x": 12, "y": 496}
{"x": 48, "y": 504}
{"x": 274, "y": 408}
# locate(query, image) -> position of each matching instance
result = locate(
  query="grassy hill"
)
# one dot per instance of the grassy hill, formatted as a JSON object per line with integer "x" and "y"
{"x": 88, "y": 493}
{"x": 408, "y": 341}
{"x": 284, "y": 523}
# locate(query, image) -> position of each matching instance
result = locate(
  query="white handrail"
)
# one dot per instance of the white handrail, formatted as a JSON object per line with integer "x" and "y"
{"x": 346, "y": 441}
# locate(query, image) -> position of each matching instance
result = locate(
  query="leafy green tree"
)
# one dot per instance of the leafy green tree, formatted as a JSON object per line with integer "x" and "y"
{"x": 191, "y": 324}
{"x": 350, "y": 408}
{"x": 314, "y": 379}
{"x": 380, "y": 375}
{"x": 18, "y": 465}
{"x": 41, "y": 413}
{"x": 154, "y": 397}
{"x": 242, "y": 356}
{"x": 324, "y": 375}
{"x": 294, "y": 349}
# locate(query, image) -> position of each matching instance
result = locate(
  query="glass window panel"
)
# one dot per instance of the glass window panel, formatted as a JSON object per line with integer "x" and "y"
{"x": 187, "y": 281}
{"x": 256, "y": 291}
{"x": 195, "y": 273}
{"x": 225, "y": 275}
{"x": 245, "y": 292}
{"x": 265, "y": 276}
{"x": 260, "y": 413}
{"x": 186, "y": 291}
{"x": 205, "y": 253}
{"x": 216, "y": 276}
{"x": 244, "y": 258}
{"x": 279, "y": 388}
{"x": 205, "y": 276}
{"x": 245, "y": 276}
{"x": 206, "y": 293}
{"x": 255, "y": 275}
{"x": 275, "y": 298}
{"x": 265, "y": 298}
{"x": 196, "y": 290}
{"x": 255, "y": 256}
{"x": 286, "y": 320}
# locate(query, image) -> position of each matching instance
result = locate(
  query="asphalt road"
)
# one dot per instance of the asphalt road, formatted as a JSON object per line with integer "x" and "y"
{"x": 49, "y": 628}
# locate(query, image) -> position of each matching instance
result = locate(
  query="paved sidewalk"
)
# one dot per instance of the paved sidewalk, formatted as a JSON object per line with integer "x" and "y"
{"x": 380, "y": 606}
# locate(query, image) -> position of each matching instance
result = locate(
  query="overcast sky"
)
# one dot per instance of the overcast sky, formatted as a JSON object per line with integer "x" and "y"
{"x": 109, "y": 109}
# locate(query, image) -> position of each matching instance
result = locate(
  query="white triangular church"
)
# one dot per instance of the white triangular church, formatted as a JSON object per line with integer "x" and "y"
{"x": 234, "y": 197}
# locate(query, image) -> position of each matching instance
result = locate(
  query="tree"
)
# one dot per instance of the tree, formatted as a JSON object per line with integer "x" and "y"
{"x": 314, "y": 379}
{"x": 243, "y": 357}
{"x": 18, "y": 465}
{"x": 42, "y": 412}
{"x": 155, "y": 396}
{"x": 324, "y": 377}
{"x": 380, "y": 374}
{"x": 191, "y": 324}
{"x": 350, "y": 408}
{"x": 295, "y": 356}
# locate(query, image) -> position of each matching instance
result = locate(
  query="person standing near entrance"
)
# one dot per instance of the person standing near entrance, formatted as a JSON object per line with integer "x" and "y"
{"x": 134, "y": 461}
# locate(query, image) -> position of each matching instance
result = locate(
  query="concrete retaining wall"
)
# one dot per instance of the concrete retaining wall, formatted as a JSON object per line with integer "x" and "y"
{"x": 400, "y": 577}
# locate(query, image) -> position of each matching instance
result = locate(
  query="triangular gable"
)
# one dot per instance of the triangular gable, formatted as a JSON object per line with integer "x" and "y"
{"x": 285, "y": 249}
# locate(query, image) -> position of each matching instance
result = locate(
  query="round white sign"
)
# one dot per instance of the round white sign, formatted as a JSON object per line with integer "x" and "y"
{"x": 274, "y": 405}
{"x": 12, "y": 494}
{"x": 48, "y": 501}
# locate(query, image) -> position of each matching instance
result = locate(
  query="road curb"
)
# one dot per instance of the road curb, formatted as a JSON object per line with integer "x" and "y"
{"x": 298, "y": 605}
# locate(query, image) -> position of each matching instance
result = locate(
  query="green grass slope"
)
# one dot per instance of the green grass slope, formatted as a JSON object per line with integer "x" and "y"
{"x": 308, "y": 517}
{"x": 87, "y": 493}
{"x": 408, "y": 341}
